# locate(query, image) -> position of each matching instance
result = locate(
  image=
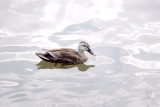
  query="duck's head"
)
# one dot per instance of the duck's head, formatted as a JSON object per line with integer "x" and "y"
{"x": 84, "y": 46}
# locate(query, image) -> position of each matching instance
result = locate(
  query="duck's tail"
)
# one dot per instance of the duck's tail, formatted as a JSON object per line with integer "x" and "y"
{"x": 41, "y": 55}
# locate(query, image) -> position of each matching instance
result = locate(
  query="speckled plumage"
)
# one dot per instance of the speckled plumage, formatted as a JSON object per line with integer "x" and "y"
{"x": 67, "y": 55}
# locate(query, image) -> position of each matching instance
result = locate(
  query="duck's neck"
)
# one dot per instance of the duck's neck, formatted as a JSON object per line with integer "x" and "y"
{"x": 82, "y": 54}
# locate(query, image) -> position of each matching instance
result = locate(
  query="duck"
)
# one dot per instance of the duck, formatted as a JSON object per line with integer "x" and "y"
{"x": 67, "y": 56}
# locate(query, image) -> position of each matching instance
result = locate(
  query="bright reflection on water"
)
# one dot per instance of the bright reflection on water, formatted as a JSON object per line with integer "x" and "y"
{"x": 124, "y": 34}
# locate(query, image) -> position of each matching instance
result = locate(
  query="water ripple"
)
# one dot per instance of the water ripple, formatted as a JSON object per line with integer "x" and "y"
{"x": 8, "y": 83}
{"x": 140, "y": 63}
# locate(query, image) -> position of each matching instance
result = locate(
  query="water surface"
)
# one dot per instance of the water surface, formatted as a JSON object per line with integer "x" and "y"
{"x": 124, "y": 34}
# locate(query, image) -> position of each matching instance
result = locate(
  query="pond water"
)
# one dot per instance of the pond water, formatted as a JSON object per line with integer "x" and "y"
{"x": 124, "y": 34}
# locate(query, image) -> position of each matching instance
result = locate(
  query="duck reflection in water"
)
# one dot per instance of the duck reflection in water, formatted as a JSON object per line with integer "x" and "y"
{"x": 46, "y": 65}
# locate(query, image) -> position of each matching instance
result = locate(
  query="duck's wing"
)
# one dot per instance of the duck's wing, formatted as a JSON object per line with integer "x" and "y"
{"x": 67, "y": 56}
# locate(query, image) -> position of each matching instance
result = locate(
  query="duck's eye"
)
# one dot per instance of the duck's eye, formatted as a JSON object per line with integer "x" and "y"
{"x": 84, "y": 45}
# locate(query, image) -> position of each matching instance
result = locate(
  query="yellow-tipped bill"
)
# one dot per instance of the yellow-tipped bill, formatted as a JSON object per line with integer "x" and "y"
{"x": 90, "y": 51}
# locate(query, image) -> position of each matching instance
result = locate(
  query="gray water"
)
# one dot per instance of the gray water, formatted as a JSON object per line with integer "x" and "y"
{"x": 125, "y": 35}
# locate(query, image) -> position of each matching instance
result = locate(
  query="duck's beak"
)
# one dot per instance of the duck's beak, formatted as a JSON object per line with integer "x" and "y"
{"x": 90, "y": 51}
